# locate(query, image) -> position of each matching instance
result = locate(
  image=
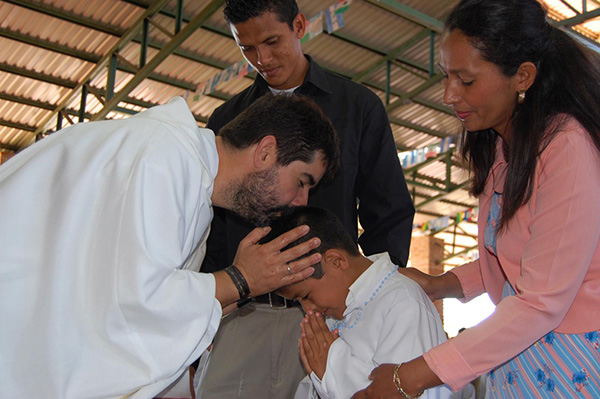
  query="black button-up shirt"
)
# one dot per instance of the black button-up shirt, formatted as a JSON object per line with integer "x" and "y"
{"x": 370, "y": 183}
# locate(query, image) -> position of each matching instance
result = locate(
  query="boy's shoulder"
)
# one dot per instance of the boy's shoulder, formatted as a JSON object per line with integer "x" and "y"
{"x": 403, "y": 289}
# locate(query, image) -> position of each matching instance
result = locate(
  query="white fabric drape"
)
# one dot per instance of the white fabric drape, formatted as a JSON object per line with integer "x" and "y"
{"x": 102, "y": 231}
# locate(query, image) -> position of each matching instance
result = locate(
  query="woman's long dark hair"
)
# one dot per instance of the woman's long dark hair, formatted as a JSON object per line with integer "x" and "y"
{"x": 509, "y": 33}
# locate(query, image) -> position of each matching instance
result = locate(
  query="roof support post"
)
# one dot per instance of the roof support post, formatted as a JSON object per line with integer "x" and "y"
{"x": 84, "y": 93}
{"x": 144, "y": 43}
{"x": 178, "y": 16}
{"x": 110, "y": 80}
{"x": 388, "y": 83}
{"x": 59, "y": 118}
{"x": 431, "y": 54}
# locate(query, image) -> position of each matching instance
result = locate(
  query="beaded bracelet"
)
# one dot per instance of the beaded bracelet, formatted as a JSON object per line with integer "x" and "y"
{"x": 238, "y": 280}
{"x": 398, "y": 385}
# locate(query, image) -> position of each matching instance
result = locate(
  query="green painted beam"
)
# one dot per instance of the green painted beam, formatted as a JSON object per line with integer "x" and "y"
{"x": 90, "y": 57}
{"x": 438, "y": 107}
{"x": 402, "y": 100}
{"x": 415, "y": 168}
{"x": 406, "y": 12}
{"x": 579, "y": 19}
{"x": 132, "y": 32}
{"x": 438, "y": 197}
{"x": 419, "y": 128}
{"x": 17, "y": 125}
{"x": 34, "y": 103}
{"x": 37, "y": 76}
{"x": 391, "y": 55}
{"x": 194, "y": 24}
{"x": 463, "y": 252}
{"x": 110, "y": 30}
{"x": 9, "y": 147}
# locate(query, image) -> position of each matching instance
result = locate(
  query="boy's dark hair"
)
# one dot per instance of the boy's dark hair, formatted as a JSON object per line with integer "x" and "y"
{"x": 323, "y": 224}
{"x": 299, "y": 125}
{"x": 237, "y": 11}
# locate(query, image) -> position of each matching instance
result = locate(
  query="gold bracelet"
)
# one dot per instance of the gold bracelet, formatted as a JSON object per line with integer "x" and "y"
{"x": 398, "y": 385}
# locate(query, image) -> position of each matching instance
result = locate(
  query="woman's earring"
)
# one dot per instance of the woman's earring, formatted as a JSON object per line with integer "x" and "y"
{"x": 521, "y": 98}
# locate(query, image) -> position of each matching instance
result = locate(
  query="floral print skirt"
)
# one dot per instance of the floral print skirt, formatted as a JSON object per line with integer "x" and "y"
{"x": 557, "y": 366}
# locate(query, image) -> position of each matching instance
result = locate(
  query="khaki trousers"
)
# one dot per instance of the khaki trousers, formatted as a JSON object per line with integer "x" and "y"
{"x": 255, "y": 355}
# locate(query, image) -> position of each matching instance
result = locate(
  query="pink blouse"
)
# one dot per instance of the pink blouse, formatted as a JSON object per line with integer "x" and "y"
{"x": 549, "y": 254}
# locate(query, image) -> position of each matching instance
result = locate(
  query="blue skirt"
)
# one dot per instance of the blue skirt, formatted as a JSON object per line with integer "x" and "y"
{"x": 557, "y": 366}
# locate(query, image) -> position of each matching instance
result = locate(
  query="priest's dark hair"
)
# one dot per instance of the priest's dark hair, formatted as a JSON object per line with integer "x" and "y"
{"x": 300, "y": 127}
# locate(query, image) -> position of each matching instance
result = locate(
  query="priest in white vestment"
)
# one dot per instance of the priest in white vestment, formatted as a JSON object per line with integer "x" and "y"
{"x": 103, "y": 229}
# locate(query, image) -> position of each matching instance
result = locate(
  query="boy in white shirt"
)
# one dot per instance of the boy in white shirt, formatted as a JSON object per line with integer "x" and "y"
{"x": 373, "y": 314}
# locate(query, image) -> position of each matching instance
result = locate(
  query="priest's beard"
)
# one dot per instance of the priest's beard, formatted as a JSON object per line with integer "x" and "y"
{"x": 256, "y": 198}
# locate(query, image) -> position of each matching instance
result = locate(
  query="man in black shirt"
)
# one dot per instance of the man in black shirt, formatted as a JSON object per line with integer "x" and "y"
{"x": 255, "y": 353}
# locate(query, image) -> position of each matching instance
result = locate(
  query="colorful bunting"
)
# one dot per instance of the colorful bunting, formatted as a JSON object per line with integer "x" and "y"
{"x": 237, "y": 70}
{"x": 410, "y": 158}
{"x": 334, "y": 17}
{"x": 314, "y": 27}
{"x": 444, "y": 221}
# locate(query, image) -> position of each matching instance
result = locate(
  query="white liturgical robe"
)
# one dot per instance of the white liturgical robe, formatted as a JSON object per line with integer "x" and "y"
{"x": 388, "y": 319}
{"x": 102, "y": 230}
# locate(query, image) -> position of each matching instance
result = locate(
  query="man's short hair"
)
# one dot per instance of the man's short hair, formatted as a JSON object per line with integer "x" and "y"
{"x": 299, "y": 125}
{"x": 323, "y": 224}
{"x": 237, "y": 11}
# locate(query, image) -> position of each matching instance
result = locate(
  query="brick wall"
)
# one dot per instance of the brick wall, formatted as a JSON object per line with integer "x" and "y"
{"x": 426, "y": 254}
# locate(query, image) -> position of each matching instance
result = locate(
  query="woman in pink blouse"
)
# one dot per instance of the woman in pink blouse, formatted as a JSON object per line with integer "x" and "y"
{"x": 528, "y": 97}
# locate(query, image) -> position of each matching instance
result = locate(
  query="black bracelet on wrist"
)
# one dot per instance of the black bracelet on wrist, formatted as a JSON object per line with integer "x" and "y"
{"x": 238, "y": 280}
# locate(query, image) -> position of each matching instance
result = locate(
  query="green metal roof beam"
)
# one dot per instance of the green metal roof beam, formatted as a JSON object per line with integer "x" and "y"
{"x": 419, "y": 128}
{"x": 426, "y": 85}
{"x": 92, "y": 24}
{"x": 16, "y": 125}
{"x": 410, "y": 14}
{"x": 179, "y": 38}
{"x": 566, "y": 3}
{"x": 438, "y": 107}
{"x": 463, "y": 252}
{"x": 578, "y": 19}
{"x": 99, "y": 68}
{"x": 404, "y": 46}
{"x": 37, "y": 76}
{"x": 92, "y": 58}
{"x": 9, "y": 147}
{"x": 438, "y": 197}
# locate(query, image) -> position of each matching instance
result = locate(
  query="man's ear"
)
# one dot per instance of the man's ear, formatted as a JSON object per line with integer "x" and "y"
{"x": 299, "y": 25}
{"x": 336, "y": 259}
{"x": 526, "y": 75}
{"x": 265, "y": 153}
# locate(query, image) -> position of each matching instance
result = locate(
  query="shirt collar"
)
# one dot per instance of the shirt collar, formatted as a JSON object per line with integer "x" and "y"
{"x": 361, "y": 290}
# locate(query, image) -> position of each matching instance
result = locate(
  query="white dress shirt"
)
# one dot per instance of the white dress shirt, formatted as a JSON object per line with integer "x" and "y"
{"x": 388, "y": 319}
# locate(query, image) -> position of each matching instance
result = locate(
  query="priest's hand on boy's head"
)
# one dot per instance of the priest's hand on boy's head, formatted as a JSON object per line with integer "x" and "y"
{"x": 268, "y": 266}
{"x": 315, "y": 342}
